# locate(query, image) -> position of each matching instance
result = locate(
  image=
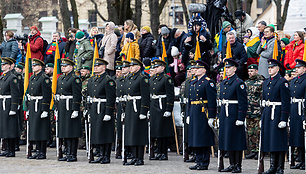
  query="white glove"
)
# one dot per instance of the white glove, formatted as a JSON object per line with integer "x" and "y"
{"x": 182, "y": 114}
{"x": 18, "y": 107}
{"x": 167, "y": 114}
{"x": 27, "y": 114}
{"x": 304, "y": 124}
{"x": 239, "y": 123}
{"x": 141, "y": 116}
{"x": 44, "y": 114}
{"x": 56, "y": 114}
{"x": 188, "y": 120}
{"x": 218, "y": 123}
{"x": 12, "y": 113}
{"x": 282, "y": 124}
{"x": 148, "y": 115}
{"x": 211, "y": 122}
{"x": 85, "y": 112}
{"x": 75, "y": 114}
{"x": 259, "y": 123}
{"x": 107, "y": 118}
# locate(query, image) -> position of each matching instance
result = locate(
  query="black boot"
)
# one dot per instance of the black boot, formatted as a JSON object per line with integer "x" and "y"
{"x": 140, "y": 154}
{"x": 281, "y": 163}
{"x": 107, "y": 153}
{"x": 17, "y": 144}
{"x": 273, "y": 163}
{"x": 238, "y": 161}
{"x": 251, "y": 155}
{"x": 38, "y": 145}
{"x": 230, "y": 168}
{"x": 4, "y": 147}
{"x": 132, "y": 162}
{"x": 74, "y": 149}
{"x": 100, "y": 155}
{"x": 11, "y": 147}
{"x": 43, "y": 150}
{"x": 67, "y": 150}
{"x": 118, "y": 150}
{"x": 302, "y": 157}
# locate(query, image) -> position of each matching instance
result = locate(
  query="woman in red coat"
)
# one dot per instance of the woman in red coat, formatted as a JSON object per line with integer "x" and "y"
{"x": 36, "y": 44}
{"x": 295, "y": 50}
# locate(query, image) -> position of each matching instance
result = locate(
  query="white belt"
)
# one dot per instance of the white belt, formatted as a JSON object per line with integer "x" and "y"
{"x": 4, "y": 97}
{"x": 226, "y": 103}
{"x": 64, "y": 97}
{"x": 120, "y": 99}
{"x": 134, "y": 98}
{"x": 36, "y": 98}
{"x": 159, "y": 97}
{"x": 300, "y": 103}
{"x": 265, "y": 103}
{"x": 99, "y": 101}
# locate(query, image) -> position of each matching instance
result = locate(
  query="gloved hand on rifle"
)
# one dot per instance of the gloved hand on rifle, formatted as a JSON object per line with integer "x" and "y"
{"x": 75, "y": 114}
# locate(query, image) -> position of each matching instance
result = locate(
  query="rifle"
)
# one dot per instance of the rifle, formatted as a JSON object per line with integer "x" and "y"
{"x": 86, "y": 134}
{"x": 59, "y": 141}
{"x": 123, "y": 151}
{"x": 220, "y": 160}
{"x": 90, "y": 147}
{"x": 261, "y": 155}
{"x": 29, "y": 147}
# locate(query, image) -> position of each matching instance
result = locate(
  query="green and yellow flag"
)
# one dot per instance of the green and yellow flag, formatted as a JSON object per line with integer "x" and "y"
{"x": 228, "y": 56}
{"x": 96, "y": 55}
{"x": 197, "y": 53}
{"x": 56, "y": 74}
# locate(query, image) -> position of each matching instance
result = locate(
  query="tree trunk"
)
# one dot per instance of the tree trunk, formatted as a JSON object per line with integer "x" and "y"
{"x": 112, "y": 9}
{"x": 1, "y": 29}
{"x": 65, "y": 16}
{"x": 154, "y": 17}
{"x": 96, "y": 8}
{"x": 74, "y": 14}
{"x": 281, "y": 25}
{"x": 185, "y": 11}
{"x": 248, "y": 6}
{"x": 138, "y": 13}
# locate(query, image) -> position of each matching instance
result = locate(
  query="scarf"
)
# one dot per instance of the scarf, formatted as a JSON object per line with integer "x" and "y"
{"x": 220, "y": 39}
{"x": 264, "y": 45}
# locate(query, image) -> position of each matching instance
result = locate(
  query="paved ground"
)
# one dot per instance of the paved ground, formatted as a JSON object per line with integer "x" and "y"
{"x": 21, "y": 165}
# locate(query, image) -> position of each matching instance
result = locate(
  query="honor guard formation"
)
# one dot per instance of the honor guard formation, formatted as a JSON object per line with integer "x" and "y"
{"x": 199, "y": 95}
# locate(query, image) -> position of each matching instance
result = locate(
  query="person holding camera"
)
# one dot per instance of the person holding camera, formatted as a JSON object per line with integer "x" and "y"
{"x": 108, "y": 47}
{"x": 85, "y": 51}
{"x": 36, "y": 43}
{"x": 71, "y": 43}
{"x": 243, "y": 22}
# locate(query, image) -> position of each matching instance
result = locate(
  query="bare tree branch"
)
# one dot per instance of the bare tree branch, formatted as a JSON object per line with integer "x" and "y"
{"x": 161, "y": 6}
{"x": 96, "y": 8}
{"x": 74, "y": 14}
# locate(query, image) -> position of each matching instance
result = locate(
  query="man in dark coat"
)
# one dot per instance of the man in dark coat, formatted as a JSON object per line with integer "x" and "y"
{"x": 202, "y": 111}
{"x": 276, "y": 104}
{"x": 161, "y": 106}
{"x": 9, "y": 96}
{"x": 51, "y": 48}
{"x": 137, "y": 106}
{"x": 68, "y": 95}
{"x": 232, "y": 137}
{"x": 39, "y": 98}
{"x": 169, "y": 42}
{"x": 297, "y": 91}
{"x": 238, "y": 54}
{"x": 180, "y": 37}
{"x": 102, "y": 95}
{"x": 146, "y": 43}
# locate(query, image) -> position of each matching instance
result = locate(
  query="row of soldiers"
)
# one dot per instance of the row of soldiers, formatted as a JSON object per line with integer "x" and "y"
{"x": 135, "y": 101}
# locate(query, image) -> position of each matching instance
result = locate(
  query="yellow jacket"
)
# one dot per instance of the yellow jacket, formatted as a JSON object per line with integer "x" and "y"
{"x": 130, "y": 50}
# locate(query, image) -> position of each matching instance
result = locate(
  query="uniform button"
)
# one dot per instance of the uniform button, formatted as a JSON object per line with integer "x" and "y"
{"x": 295, "y": 85}
{"x": 61, "y": 88}
{"x": 293, "y": 91}
{"x": 269, "y": 88}
{"x": 62, "y": 83}
{"x": 224, "y": 87}
{"x": 153, "y": 88}
{"x": 223, "y": 92}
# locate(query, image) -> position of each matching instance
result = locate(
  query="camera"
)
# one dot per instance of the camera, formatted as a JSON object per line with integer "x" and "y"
{"x": 23, "y": 39}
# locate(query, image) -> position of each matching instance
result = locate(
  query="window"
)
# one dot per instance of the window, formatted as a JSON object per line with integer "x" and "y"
{"x": 92, "y": 18}
{"x": 40, "y": 15}
{"x": 259, "y": 4}
{"x": 179, "y": 18}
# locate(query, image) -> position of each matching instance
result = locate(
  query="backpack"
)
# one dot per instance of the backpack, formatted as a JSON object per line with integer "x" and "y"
{"x": 45, "y": 44}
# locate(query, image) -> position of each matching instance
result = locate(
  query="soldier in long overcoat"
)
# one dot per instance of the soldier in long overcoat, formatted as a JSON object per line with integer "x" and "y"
{"x": 39, "y": 98}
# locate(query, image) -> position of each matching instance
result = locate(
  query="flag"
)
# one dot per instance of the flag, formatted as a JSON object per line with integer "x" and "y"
{"x": 56, "y": 74}
{"x": 228, "y": 56}
{"x": 275, "y": 48}
{"x": 304, "y": 55}
{"x": 197, "y": 53}
{"x": 27, "y": 75}
{"x": 96, "y": 55}
{"x": 164, "y": 56}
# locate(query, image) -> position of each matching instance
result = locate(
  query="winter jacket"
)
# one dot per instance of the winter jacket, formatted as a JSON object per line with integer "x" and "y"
{"x": 110, "y": 43}
{"x": 180, "y": 44}
{"x": 132, "y": 49}
{"x": 85, "y": 54}
{"x": 238, "y": 53}
{"x": 50, "y": 51}
{"x": 247, "y": 23}
{"x": 37, "y": 46}
{"x": 294, "y": 51}
{"x": 69, "y": 49}
{"x": 145, "y": 45}
{"x": 98, "y": 38}
{"x": 9, "y": 48}
{"x": 136, "y": 33}
{"x": 266, "y": 54}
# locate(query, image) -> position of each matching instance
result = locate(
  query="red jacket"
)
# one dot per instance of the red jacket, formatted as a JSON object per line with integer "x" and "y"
{"x": 36, "y": 47}
{"x": 291, "y": 54}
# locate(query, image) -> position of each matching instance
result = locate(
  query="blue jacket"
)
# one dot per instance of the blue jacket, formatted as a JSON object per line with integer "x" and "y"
{"x": 9, "y": 49}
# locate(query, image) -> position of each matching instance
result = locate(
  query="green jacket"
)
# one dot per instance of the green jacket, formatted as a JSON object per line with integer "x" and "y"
{"x": 84, "y": 55}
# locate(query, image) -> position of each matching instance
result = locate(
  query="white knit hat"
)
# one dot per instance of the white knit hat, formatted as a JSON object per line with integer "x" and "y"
{"x": 174, "y": 51}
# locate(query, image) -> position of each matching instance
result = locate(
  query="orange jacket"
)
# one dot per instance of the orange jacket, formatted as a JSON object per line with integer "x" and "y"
{"x": 293, "y": 52}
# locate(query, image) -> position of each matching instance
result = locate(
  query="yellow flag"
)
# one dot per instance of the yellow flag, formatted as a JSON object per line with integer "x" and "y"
{"x": 275, "y": 50}
{"x": 197, "y": 53}
{"x": 129, "y": 52}
{"x": 55, "y": 74}
{"x": 228, "y": 56}
{"x": 164, "y": 55}
{"x": 96, "y": 55}
{"x": 27, "y": 69}
{"x": 304, "y": 55}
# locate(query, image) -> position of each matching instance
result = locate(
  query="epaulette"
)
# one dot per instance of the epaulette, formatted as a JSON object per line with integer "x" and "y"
{"x": 207, "y": 78}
